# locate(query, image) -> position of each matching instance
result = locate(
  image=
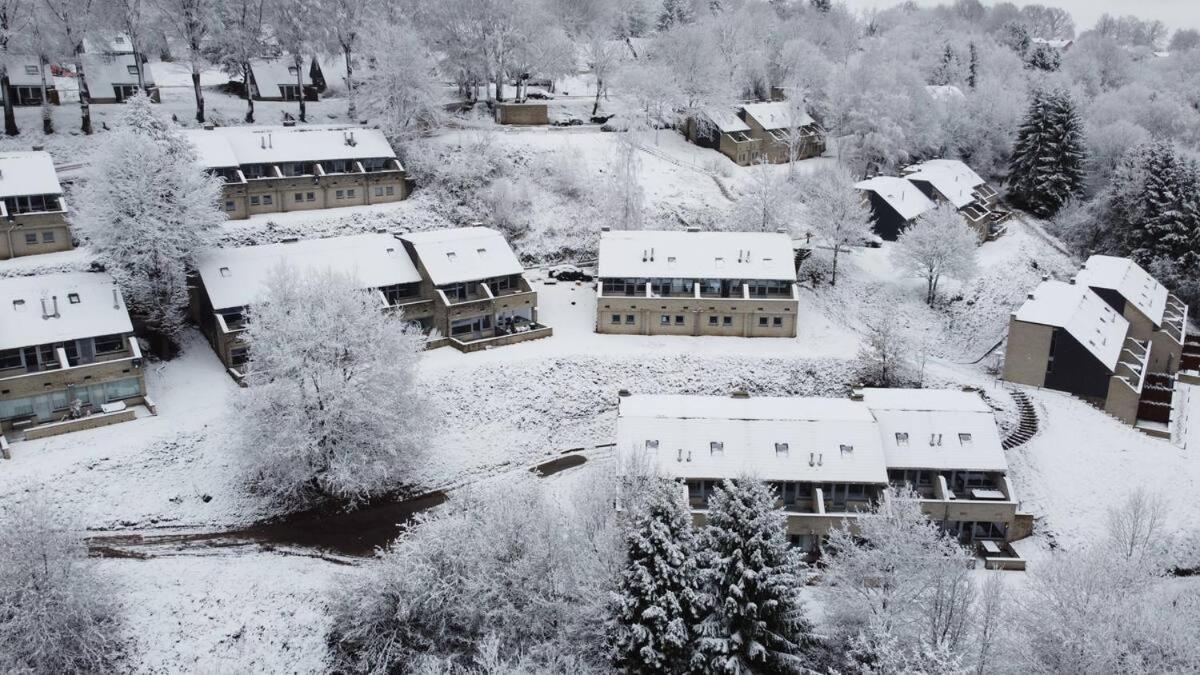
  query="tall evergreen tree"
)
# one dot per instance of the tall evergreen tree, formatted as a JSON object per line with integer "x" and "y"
{"x": 674, "y": 12}
{"x": 754, "y": 618}
{"x": 1048, "y": 157}
{"x": 972, "y": 66}
{"x": 656, "y": 606}
{"x": 1155, "y": 202}
{"x": 944, "y": 73}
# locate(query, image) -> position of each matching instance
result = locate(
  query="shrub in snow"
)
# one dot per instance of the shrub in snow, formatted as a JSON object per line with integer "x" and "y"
{"x": 887, "y": 356}
{"x": 57, "y": 613}
{"x": 764, "y": 205}
{"x": 332, "y": 409}
{"x": 837, "y": 214}
{"x": 565, "y": 171}
{"x": 754, "y": 618}
{"x": 655, "y": 608}
{"x": 1047, "y": 166}
{"x": 146, "y": 207}
{"x": 508, "y": 574}
{"x": 939, "y": 244}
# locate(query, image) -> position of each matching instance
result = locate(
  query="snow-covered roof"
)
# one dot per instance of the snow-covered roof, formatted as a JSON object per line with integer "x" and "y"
{"x": 23, "y": 71}
{"x": 88, "y": 305}
{"x": 1080, "y": 312}
{"x": 1129, "y": 280}
{"x": 939, "y": 429}
{"x": 775, "y": 115}
{"x": 780, "y": 439}
{"x": 726, "y": 120}
{"x": 945, "y": 92}
{"x": 270, "y": 73}
{"x": 28, "y": 173}
{"x": 464, "y": 254}
{"x": 108, "y": 43}
{"x": 226, "y": 147}
{"x": 237, "y": 277}
{"x": 1057, "y": 44}
{"x": 105, "y": 70}
{"x": 952, "y": 179}
{"x": 666, "y": 254}
{"x": 899, "y": 194}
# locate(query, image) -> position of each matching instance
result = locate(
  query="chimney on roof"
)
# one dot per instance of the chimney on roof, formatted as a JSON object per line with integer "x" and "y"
{"x": 262, "y": 142}
{"x": 693, "y": 228}
{"x": 740, "y": 393}
{"x": 820, "y": 459}
{"x": 645, "y": 255}
{"x": 55, "y": 299}
{"x": 605, "y": 228}
{"x": 651, "y": 255}
{"x": 45, "y": 314}
{"x": 1029, "y": 296}
{"x": 679, "y": 455}
{"x": 810, "y": 458}
{"x": 270, "y": 141}
{"x": 116, "y": 299}
{"x": 1045, "y": 277}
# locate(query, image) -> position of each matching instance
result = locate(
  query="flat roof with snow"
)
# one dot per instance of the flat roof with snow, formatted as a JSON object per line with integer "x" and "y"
{"x": 776, "y": 115}
{"x": 228, "y": 147}
{"x": 237, "y": 277}
{"x": 937, "y": 429}
{"x": 50, "y": 308}
{"x": 1129, "y": 280}
{"x": 899, "y": 194}
{"x": 953, "y": 179}
{"x": 811, "y": 440}
{"x": 464, "y": 254}
{"x": 1083, "y": 314}
{"x": 672, "y": 254}
{"x": 28, "y": 173}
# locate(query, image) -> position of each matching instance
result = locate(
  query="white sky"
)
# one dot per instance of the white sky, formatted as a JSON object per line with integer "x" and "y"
{"x": 1174, "y": 13}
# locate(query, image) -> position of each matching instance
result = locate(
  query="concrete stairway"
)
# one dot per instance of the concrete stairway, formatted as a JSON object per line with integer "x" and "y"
{"x": 1028, "y": 425}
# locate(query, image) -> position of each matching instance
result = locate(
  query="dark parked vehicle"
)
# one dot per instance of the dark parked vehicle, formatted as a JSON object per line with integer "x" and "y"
{"x": 568, "y": 273}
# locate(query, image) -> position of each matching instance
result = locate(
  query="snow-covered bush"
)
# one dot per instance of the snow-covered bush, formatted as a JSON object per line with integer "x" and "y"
{"x": 57, "y": 613}
{"x": 887, "y": 357}
{"x": 501, "y": 575}
{"x": 565, "y": 171}
{"x": 396, "y": 88}
{"x": 507, "y": 205}
{"x": 145, "y": 207}
{"x": 332, "y": 408}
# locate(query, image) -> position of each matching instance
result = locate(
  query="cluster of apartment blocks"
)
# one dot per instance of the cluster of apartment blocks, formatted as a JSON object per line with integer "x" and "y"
{"x": 829, "y": 459}
{"x": 1111, "y": 335}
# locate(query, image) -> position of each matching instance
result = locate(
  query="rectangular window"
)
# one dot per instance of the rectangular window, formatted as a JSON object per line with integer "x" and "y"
{"x": 727, "y": 321}
{"x": 341, "y": 194}
{"x": 777, "y": 321}
{"x": 10, "y": 358}
{"x": 781, "y": 449}
{"x": 716, "y": 448}
{"x": 311, "y": 197}
{"x": 31, "y": 70}
{"x": 712, "y": 320}
{"x": 391, "y": 190}
{"x": 350, "y": 193}
{"x": 964, "y": 440}
{"x": 378, "y": 192}
{"x": 678, "y": 319}
{"x": 267, "y": 200}
{"x": 762, "y": 321}
{"x": 230, "y": 206}
{"x": 299, "y": 196}
{"x": 73, "y": 298}
{"x": 665, "y": 319}
{"x": 107, "y": 344}
{"x": 630, "y": 319}
{"x": 616, "y": 318}
{"x": 254, "y": 201}
{"x": 132, "y": 69}
{"x": 901, "y": 439}
{"x": 31, "y": 238}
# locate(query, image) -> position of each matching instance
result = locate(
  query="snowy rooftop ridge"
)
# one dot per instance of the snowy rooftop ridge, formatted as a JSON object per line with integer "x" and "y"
{"x": 1082, "y": 313}
{"x": 726, "y": 120}
{"x": 776, "y": 115}
{"x": 463, "y": 254}
{"x": 899, "y": 194}
{"x": 953, "y": 179}
{"x": 228, "y": 147}
{"x": 674, "y": 254}
{"x": 28, "y": 173}
{"x": 940, "y": 429}
{"x": 1127, "y": 278}
{"x": 23, "y": 70}
{"x": 237, "y": 277}
{"x": 49, "y": 308}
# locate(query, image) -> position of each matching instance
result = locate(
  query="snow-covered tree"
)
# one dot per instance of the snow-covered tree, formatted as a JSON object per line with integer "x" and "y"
{"x": 1136, "y": 527}
{"x": 939, "y": 244}
{"x": 886, "y": 357}
{"x": 15, "y": 15}
{"x": 347, "y": 21}
{"x": 332, "y": 408}
{"x": 755, "y": 618}
{"x": 1043, "y": 57}
{"x": 38, "y": 41}
{"x": 764, "y": 206}
{"x": 399, "y": 88}
{"x": 1155, "y": 205}
{"x": 837, "y": 213}
{"x": 131, "y": 17}
{"x": 656, "y": 604}
{"x": 57, "y": 611}
{"x": 145, "y": 207}
{"x": 298, "y": 27}
{"x": 603, "y": 56}
{"x": 1184, "y": 39}
{"x": 674, "y": 13}
{"x": 1047, "y": 166}
{"x": 192, "y": 23}
{"x": 1050, "y": 23}
{"x": 242, "y": 36}
{"x": 72, "y": 20}
{"x": 627, "y": 200}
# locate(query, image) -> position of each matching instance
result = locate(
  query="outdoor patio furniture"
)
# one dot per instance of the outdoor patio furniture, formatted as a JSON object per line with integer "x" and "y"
{"x": 983, "y": 493}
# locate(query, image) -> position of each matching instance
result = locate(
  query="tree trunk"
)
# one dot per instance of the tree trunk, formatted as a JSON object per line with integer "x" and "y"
{"x": 351, "y": 110}
{"x": 300, "y": 87}
{"x": 85, "y": 103}
{"x": 10, "y": 115}
{"x": 596, "y": 104}
{"x": 47, "y": 116}
{"x": 249, "y": 98}
{"x": 833, "y": 276}
{"x": 141, "y": 75}
{"x": 199, "y": 93}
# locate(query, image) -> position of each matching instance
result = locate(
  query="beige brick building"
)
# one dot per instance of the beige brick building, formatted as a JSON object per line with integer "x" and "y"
{"x": 67, "y": 351}
{"x": 32, "y": 210}
{"x": 696, "y": 283}
{"x": 281, "y": 169}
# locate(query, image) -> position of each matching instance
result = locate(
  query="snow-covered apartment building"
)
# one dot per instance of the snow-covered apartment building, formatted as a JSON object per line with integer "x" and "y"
{"x": 755, "y": 132}
{"x": 31, "y": 205}
{"x": 68, "y": 357}
{"x": 829, "y": 458}
{"x": 895, "y": 204}
{"x": 464, "y": 286}
{"x": 1112, "y": 336}
{"x": 280, "y": 169}
{"x": 696, "y": 283}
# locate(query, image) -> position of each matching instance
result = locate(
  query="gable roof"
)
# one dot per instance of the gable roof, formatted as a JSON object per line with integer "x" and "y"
{"x": 938, "y": 429}
{"x": 899, "y": 194}
{"x": 18, "y": 75}
{"x": 696, "y": 255}
{"x": 953, "y": 179}
{"x": 99, "y": 308}
{"x": 674, "y": 435}
{"x": 226, "y": 147}
{"x": 775, "y": 115}
{"x": 464, "y": 254}
{"x": 269, "y": 74}
{"x": 103, "y": 71}
{"x": 28, "y": 173}
{"x": 726, "y": 120}
{"x": 1080, "y": 312}
{"x": 1127, "y": 278}
{"x": 237, "y": 277}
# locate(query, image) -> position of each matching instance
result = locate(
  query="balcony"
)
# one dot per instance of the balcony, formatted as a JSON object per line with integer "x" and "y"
{"x": 990, "y": 502}
{"x": 1131, "y": 366}
{"x": 1174, "y": 321}
{"x": 500, "y": 337}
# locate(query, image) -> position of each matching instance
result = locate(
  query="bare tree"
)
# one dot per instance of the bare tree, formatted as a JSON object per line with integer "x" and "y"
{"x": 73, "y": 19}
{"x": 763, "y": 209}
{"x": 15, "y": 15}
{"x": 402, "y": 93}
{"x": 886, "y": 355}
{"x": 990, "y": 613}
{"x": 836, "y": 211}
{"x": 132, "y": 18}
{"x": 192, "y": 21}
{"x": 297, "y": 25}
{"x": 241, "y": 38}
{"x": 1135, "y": 526}
{"x": 603, "y": 56}
{"x": 347, "y": 19}
{"x": 627, "y": 199}
{"x": 939, "y": 244}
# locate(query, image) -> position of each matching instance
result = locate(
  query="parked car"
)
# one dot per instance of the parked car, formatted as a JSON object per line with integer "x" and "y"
{"x": 568, "y": 273}
{"x": 539, "y": 95}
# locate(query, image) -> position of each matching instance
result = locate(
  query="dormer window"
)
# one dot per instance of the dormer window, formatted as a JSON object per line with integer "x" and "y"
{"x": 450, "y": 255}
{"x": 224, "y": 271}
{"x": 31, "y": 70}
{"x": 846, "y": 449}
{"x": 964, "y": 440}
{"x": 132, "y": 69}
{"x": 719, "y": 262}
{"x": 292, "y": 70}
{"x": 781, "y": 449}
{"x": 652, "y": 445}
{"x": 716, "y": 448}
{"x": 18, "y": 304}
{"x": 73, "y": 298}
{"x": 901, "y": 439}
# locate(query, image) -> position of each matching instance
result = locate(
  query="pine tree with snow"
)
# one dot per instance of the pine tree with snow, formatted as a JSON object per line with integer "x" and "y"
{"x": 1047, "y": 165}
{"x": 1043, "y": 57}
{"x": 972, "y": 65}
{"x": 146, "y": 207}
{"x": 656, "y": 605}
{"x": 1155, "y": 199}
{"x": 754, "y": 616}
{"x": 674, "y": 12}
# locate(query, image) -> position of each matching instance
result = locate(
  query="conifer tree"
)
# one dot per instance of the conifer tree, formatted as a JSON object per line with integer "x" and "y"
{"x": 754, "y": 618}
{"x": 1048, "y": 157}
{"x": 1155, "y": 197}
{"x": 655, "y": 608}
{"x": 972, "y": 66}
{"x": 674, "y": 12}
